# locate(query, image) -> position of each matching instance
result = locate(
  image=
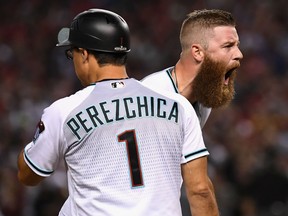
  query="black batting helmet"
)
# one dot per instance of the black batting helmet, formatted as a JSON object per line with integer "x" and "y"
{"x": 97, "y": 29}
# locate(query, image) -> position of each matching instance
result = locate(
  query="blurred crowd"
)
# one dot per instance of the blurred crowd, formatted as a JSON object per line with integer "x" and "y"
{"x": 248, "y": 140}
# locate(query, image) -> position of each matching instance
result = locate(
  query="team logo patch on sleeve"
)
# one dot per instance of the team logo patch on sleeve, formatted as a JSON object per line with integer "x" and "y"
{"x": 40, "y": 128}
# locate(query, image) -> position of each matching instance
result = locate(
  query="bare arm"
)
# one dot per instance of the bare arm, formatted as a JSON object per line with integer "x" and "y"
{"x": 25, "y": 174}
{"x": 199, "y": 188}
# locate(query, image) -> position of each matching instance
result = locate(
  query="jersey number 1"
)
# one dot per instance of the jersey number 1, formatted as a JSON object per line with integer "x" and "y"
{"x": 129, "y": 138}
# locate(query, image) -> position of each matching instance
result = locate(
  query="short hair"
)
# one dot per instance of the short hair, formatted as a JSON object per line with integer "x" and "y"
{"x": 106, "y": 58}
{"x": 196, "y": 24}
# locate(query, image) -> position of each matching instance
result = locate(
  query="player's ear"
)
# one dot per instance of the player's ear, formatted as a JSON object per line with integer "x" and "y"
{"x": 197, "y": 52}
{"x": 84, "y": 54}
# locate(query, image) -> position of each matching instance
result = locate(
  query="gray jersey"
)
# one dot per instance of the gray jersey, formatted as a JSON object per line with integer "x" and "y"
{"x": 123, "y": 145}
{"x": 163, "y": 80}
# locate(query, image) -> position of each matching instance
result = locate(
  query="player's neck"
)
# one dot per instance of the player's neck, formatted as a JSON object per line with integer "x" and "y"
{"x": 183, "y": 75}
{"x": 110, "y": 72}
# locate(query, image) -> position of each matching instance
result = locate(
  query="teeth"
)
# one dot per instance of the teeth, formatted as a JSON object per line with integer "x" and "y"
{"x": 226, "y": 81}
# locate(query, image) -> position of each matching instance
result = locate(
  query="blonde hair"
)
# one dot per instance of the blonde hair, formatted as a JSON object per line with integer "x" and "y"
{"x": 198, "y": 24}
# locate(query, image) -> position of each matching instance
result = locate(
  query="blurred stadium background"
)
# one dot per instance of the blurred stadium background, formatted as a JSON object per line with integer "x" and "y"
{"x": 248, "y": 140}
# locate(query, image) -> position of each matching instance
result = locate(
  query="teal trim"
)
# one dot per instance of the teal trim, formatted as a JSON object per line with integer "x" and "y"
{"x": 35, "y": 167}
{"x": 169, "y": 71}
{"x": 194, "y": 153}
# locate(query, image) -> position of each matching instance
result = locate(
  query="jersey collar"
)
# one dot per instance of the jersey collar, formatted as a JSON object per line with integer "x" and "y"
{"x": 169, "y": 73}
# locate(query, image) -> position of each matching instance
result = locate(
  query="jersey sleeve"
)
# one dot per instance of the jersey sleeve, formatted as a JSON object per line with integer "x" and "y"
{"x": 193, "y": 146}
{"x": 43, "y": 154}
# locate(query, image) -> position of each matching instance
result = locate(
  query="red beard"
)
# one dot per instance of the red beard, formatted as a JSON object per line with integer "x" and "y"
{"x": 208, "y": 86}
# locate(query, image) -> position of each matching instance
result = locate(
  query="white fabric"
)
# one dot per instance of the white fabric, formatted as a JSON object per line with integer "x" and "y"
{"x": 98, "y": 130}
{"x": 162, "y": 81}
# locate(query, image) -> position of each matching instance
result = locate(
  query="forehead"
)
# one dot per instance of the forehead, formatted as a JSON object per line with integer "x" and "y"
{"x": 224, "y": 34}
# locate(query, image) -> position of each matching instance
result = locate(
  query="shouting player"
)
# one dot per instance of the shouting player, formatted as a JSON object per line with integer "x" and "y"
{"x": 126, "y": 147}
{"x": 206, "y": 70}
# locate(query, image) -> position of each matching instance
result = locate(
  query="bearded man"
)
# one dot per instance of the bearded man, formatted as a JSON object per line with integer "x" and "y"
{"x": 206, "y": 70}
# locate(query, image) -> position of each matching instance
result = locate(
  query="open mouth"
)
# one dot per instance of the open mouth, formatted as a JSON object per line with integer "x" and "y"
{"x": 227, "y": 76}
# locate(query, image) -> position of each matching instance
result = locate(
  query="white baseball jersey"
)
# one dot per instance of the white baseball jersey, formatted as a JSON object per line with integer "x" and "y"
{"x": 162, "y": 80}
{"x": 123, "y": 145}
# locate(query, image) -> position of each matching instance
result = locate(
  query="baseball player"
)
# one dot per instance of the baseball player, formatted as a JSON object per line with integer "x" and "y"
{"x": 206, "y": 70}
{"x": 126, "y": 147}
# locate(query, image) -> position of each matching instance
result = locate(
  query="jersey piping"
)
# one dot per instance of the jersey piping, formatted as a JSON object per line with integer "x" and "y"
{"x": 169, "y": 71}
{"x": 30, "y": 163}
{"x": 195, "y": 153}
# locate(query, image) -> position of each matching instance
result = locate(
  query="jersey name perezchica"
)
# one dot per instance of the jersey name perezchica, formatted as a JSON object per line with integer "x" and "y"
{"x": 162, "y": 80}
{"x": 123, "y": 145}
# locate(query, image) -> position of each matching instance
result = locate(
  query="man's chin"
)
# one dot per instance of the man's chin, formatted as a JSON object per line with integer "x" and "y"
{"x": 221, "y": 104}
{"x": 214, "y": 102}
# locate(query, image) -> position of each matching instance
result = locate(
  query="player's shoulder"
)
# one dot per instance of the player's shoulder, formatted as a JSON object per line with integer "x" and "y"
{"x": 160, "y": 80}
{"x": 66, "y": 104}
{"x": 154, "y": 77}
{"x": 170, "y": 95}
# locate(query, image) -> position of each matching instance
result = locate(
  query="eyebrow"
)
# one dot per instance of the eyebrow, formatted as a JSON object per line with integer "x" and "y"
{"x": 231, "y": 42}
